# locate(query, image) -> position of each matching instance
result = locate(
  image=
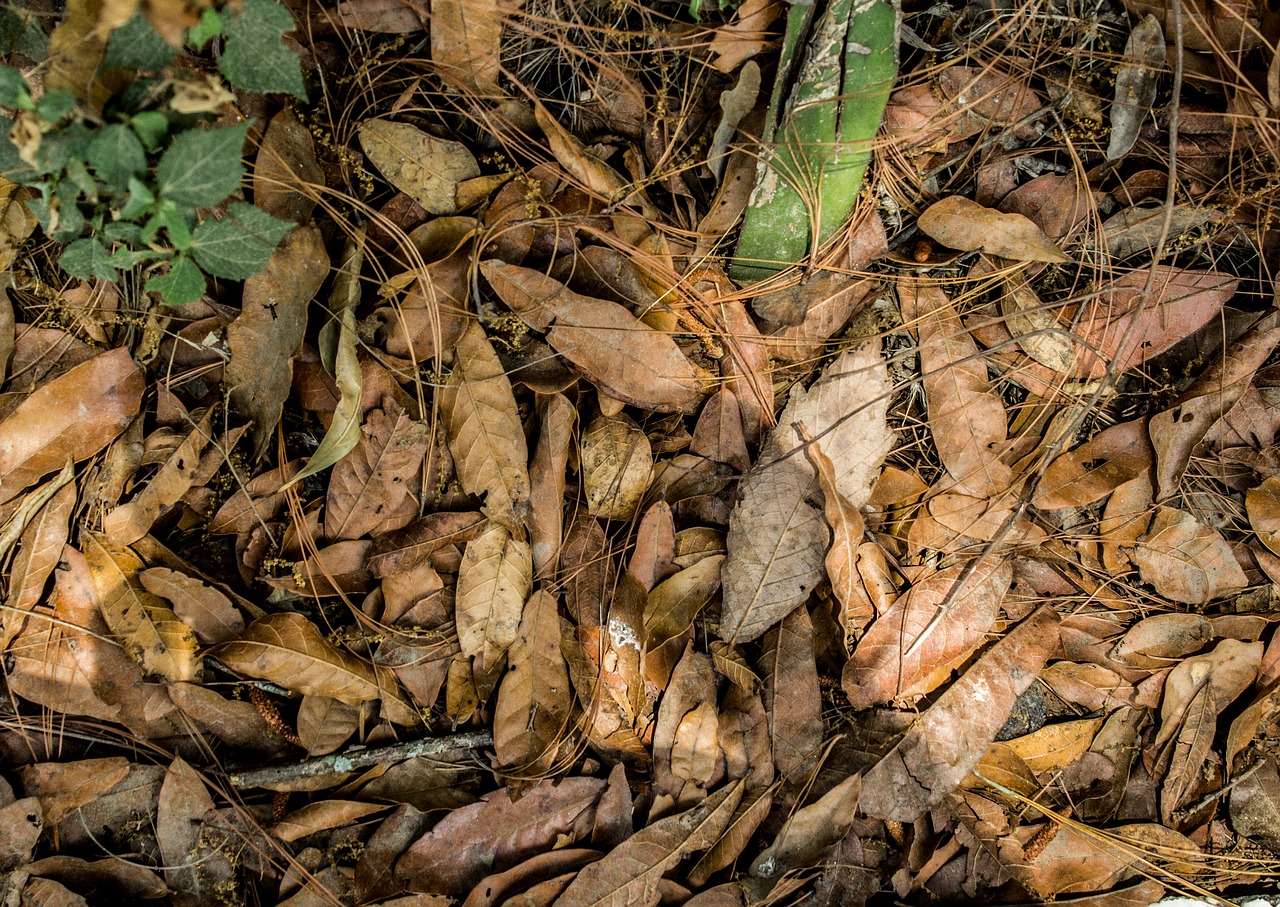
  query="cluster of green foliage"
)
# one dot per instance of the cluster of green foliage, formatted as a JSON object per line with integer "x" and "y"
{"x": 132, "y": 186}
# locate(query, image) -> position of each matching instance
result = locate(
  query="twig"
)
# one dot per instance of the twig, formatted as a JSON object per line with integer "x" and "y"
{"x": 355, "y": 758}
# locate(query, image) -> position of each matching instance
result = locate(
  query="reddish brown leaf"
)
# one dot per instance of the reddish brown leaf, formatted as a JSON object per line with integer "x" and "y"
{"x": 792, "y": 696}
{"x": 374, "y": 487}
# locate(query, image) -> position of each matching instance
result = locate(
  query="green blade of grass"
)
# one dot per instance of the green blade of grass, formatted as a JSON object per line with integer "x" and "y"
{"x": 808, "y": 181}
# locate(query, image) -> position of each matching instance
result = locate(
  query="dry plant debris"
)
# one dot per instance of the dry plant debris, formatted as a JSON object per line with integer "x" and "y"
{"x": 494, "y": 547}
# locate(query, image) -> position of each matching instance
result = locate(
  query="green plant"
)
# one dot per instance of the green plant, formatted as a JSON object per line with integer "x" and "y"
{"x": 135, "y": 184}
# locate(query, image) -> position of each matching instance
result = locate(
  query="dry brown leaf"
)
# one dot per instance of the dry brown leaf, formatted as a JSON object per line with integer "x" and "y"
{"x": 616, "y": 463}
{"x": 592, "y": 173}
{"x": 836, "y": 302}
{"x": 1153, "y": 640}
{"x": 203, "y": 608}
{"x": 180, "y": 813}
{"x": 534, "y": 697}
{"x": 494, "y": 581}
{"x": 268, "y": 332}
{"x": 1187, "y": 561}
{"x": 948, "y": 740}
{"x": 1176, "y": 431}
{"x": 151, "y": 634}
{"x": 686, "y": 748}
{"x": 337, "y": 569}
{"x": 966, "y": 415}
{"x": 1144, "y": 56}
{"x": 611, "y": 347}
{"x": 1079, "y": 860}
{"x": 1056, "y": 746}
{"x": 629, "y": 874}
{"x": 809, "y": 831}
{"x": 258, "y": 502}
{"x": 325, "y": 724}
{"x": 960, "y": 223}
{"x": 483, "y": 425}
{"x": 1096, "y": 468}
{"x": 676, "y": 601}
{"x": 752, "y": 810}
{"x": 72, "y": 416}
{"x": 286, "y": 175}
{"x": 880, "y": 670}
{"x": 289, "y": 650}
{"x": 1124, "y": 519}
{"x": 465, "y": 39}
{"x": 130, "y": 522}
{"x": 497, "y": 833}
{"x": 1255, "y": 805}
{"x": 1036, "y": 327}
{"x": 372, "y": 489}
{"x": 792, "y": 696}
{"x": 39, "y": 552}
{"x": 743, "y": 37}
{"x": 547, "y": 482}
{"x": 426, "y": 168}
{"x": 775, "y": 549}
{"x": 65, "y": 787}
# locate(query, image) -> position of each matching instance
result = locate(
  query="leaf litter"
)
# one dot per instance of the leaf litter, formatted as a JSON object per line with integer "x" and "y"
{"x": 504, "y": 550}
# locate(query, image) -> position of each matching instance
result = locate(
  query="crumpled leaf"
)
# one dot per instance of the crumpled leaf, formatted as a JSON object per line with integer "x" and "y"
{"x": 483, "y": 425}
{"x": 948, "y": 740}
{"x": 289, "y": 650}
{"x": 424, "y": 167}
{"x": 629, "y": 874}
{"x": 960, "y": 223}
{"x": 1187, "y": 561}
{"x": 205, "y": 609}
{"x": 149, "y": 631}
{"x": 494, "y": 580}
{"x": 75, "y": 415}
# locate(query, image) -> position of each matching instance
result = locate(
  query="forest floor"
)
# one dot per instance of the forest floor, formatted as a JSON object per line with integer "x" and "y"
{"x": 518, "y": 536}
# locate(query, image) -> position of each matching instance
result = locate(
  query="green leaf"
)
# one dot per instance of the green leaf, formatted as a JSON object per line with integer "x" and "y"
{"x": 21, "y": 32}
{"x": 140, "y": 199}
{"x": 175, "y": 222}
{"x": 55, "y": 105}
{"x": 119, "y": 231}
{"x": 136, "y": 45}
{"x": 14, "y": 91}
{"x": 151, "y": 126}
{"x": 184, "y": 283}
{"x": 209, "y": 26}
{"x": 86, "y": 259}
{"x": 117, "y": 155}
{"x": 240, "y": 245}
{"x": 202, "y": 166}
{"x": 255, "y": 59}
{"x": 127, "y": 259}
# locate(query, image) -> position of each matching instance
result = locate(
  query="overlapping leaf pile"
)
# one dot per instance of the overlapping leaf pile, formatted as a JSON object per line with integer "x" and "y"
{"x": 504, "y": 551}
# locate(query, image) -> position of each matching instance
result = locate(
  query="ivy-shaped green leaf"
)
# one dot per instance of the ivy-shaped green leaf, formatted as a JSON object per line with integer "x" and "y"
{"x": 151, "y": 126}
{"x": 239, "y": 245}
{"x": 87, "y": 258}
{"x": 202, "y": 166}
{"x": 21, "y": 32}
{"x": 117, "y": 154}
{"x": 14, "y": 91}
{"x": 255, "y": 59}
{"x": 184, "y": 283}
{"x": 209, "y": 27}
{"x": 137, "y": 45}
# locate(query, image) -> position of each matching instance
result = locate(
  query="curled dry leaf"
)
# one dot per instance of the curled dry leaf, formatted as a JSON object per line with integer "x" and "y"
{"x": 73, "y": 416}
{"x": 38, "y": 554}
{"x": 534, "y": 697}
{"x": 426, "y": 168}
{"x": 289, "y": 650}
{"x": 1187, "y": 561}
{"x": 494, "y": 580}
{"x": 959, "y": 223}
{"x": 611, "y": 347}
{"x": 483, "y": 425}
{"x": 676, "y": 601}
{"x": 887, "y": 665}
{"x": 150, "y": 632}
{"x": 967, "y": 416}
{"x": 948, "y": 740}
{"x": 630, "y": 873}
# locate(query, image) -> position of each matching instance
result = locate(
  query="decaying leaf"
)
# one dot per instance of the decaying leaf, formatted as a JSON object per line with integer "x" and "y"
{"x": 960, "y": 223}
{"x": 372, "y": 488}
{"x": 424, "y": 167}
{"x": 792, "y": 697}
{"x": 617, "y": 461}
{"x": 1135, "y": 85}
{"x": 1187, "y": 561}
{"x": 533, "y": 700}
{"x": 494, "y": 580}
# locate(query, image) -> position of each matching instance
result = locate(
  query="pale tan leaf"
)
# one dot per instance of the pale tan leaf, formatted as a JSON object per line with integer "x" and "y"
{"x": 1136, "y": 82}
{"x": 1190, "y": 748}
{"x": 424, "y": 167}
{"x": 483, "y": 425}
{"x": 494, "y": 580}
{"x": 1187, "y": 561}
{"x": 465, "y": 44}
{"x": 947, "y": 741}
{"x": 1056, "y": 746}
{"x": 835, "y": 302}
{"x": 388, "y": 17}
{"x": 616, "y": 462}
{"x": 372, "y": 488}
{"x": 39, "y": 552}
{"x": 594, "y": 174}
{"x": 1036, "y": 327}
{"x": 208, "y": 612}
{"x": 268, "y": 332}
{"x": 73, "y": 416}
{"x": 259, "y": 501}
{"x": 130, "y": 522}
{"x": 289, "y": 650}
{"x": 1150, "y": 642}
{"x": 534, "y": 698}
{"x": 614, "y": 349}
{"x": 959, "y": 223}
{"x": 497, "y": 833}
{"x": 152, "y": 635}
{"x": 182, "y": 804}
{"x": 324, "y": 724}
{"x": 966, "y": 415}
{"x": 323, "y": 815}
{"x": 1078, "y": 860}
{"x": 776, "y": 545}
{"x": 65, "y": 787}
{"x": 1124, "y": 519}
{"x": 880, "y": 669}
{"x": 792, "y": 696}
{"x": 686, "y": 749}
{"x": 547, "y": 482}
{"x": 286, "y": 175}
{"x": 629, "y": 874}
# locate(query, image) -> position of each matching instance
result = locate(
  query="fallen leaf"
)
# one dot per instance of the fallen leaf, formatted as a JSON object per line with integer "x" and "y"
{"x": 184, "y": 799}
{"x": 547, "y": 482}
{"x": 959, "y": 223}
{"x": 616, "y": 463}
{"x": 494, "y": 581}
{"x": 426, "y": 168}
{"x": 203, "y": 608}
{"x": 949, "y": 738}
{"x": 1096, "y": 468}
{"x": 372, "y": 488}
{"x": 533, "y": 699}
{"x": 38, "y": 554}
{"x": 792, "y": 696}
{"x": 1144, "y": 56}
{"x": 130, "y": 522}
{"x": 286, "y": 175}
{"x": 1187, "y": 561}
{"x": 686, "y": 747}
{"x": 74, "y": 415}
{"x": 673, "y": 604}
{"x": 483, "y": 425}
{"x": 809, "y": 831}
